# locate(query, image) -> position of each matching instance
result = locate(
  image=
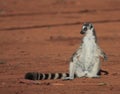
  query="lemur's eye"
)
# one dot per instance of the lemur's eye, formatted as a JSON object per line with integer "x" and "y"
{"x": 91, "y": 27}
{"x": 85, "y": 29}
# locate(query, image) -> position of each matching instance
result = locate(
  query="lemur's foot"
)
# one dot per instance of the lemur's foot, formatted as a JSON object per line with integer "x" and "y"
{"x": 68, "y": 78}
{"x": 93, "y": 76}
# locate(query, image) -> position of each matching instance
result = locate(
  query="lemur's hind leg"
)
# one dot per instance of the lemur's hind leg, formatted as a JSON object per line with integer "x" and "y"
{"x": 72, "y": 69}
{"x": 95, "y": 69}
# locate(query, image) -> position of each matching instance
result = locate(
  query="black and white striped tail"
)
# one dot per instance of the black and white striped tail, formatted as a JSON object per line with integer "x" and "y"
{"x": 45, "y": 76}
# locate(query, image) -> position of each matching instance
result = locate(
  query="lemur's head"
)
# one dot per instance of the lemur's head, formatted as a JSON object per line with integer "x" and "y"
{"x": 86, "y": 27}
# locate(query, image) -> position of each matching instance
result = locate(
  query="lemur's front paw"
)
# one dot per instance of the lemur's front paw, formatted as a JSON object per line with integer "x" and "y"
{"x": 105, "y": 57}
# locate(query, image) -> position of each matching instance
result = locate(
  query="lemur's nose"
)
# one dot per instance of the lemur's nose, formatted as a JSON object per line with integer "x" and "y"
{"x": 82, "y": 32}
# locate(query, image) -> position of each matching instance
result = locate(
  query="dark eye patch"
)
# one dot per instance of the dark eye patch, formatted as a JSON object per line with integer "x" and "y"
{"x": 91, "y": 27}
{"x": 85, "y": 29}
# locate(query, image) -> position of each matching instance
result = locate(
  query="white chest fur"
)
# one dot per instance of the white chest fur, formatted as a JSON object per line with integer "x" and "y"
{"x": 88, "y": 52}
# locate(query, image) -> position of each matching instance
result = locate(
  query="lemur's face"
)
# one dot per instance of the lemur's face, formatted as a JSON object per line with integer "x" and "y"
{"x": 86, "y": 27}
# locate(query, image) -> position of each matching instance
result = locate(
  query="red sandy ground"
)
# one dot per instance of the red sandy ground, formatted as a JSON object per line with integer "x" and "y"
{"x": 41, "y": 35}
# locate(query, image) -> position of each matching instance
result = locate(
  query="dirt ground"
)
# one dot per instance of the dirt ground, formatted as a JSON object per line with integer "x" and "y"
{"x": 41, "y": 35}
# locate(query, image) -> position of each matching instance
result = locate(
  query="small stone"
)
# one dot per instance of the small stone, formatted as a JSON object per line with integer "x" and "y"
{"x": 2, "y": 62}
{"x": 57, "y": 84}
{"x": 101, "y": 84}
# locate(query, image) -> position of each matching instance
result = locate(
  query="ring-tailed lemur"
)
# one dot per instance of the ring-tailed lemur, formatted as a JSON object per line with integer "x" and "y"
{"x": 85, "y": 62}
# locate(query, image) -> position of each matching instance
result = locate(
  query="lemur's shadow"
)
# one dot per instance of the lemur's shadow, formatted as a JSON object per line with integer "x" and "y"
{"x": 103, "y": 72}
